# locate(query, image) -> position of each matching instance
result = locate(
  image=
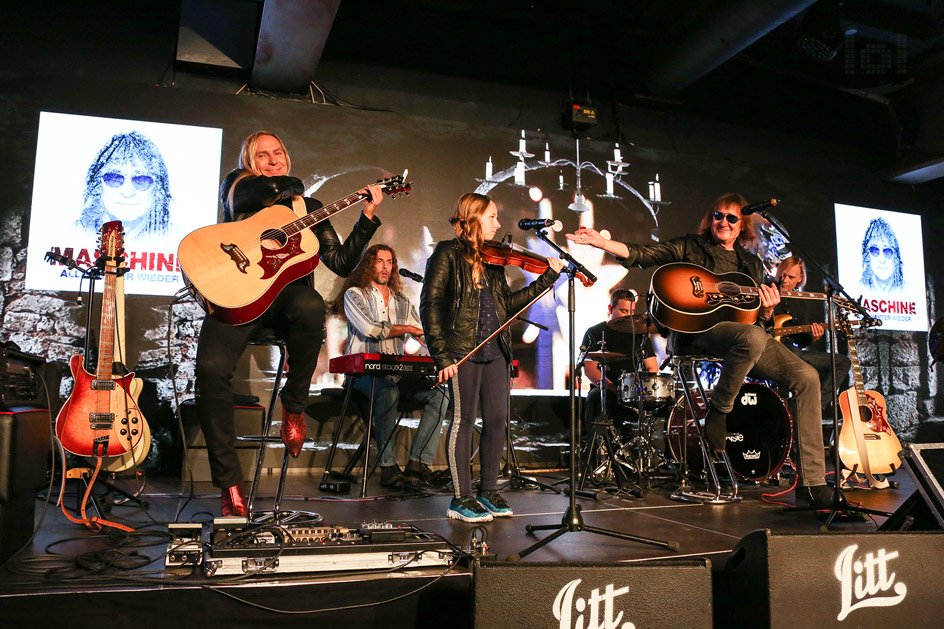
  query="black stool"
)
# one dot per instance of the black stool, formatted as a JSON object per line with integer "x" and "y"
{"x": 404, "y": 406}
{"x": 267, "y": 337}
{"x": 687, "y": 375}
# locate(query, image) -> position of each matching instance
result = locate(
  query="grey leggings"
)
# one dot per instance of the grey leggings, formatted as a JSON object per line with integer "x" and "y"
{"x": 487, "y": 382}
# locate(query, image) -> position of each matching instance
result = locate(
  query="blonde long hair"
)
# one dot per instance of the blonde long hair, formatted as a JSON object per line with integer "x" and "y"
{"x": 247, "y": 159}
{"x": 786, "y": 265}
{"x": 466, "y": 221}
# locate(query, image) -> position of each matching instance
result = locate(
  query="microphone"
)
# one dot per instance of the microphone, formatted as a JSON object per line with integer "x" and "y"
{"x": 416, "y": 277}
{"x": 539, "y": 223}
{"x": 754, "y": 207}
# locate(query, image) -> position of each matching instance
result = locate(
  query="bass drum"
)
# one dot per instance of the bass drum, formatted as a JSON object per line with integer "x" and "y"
{"x": 760, "y": 432}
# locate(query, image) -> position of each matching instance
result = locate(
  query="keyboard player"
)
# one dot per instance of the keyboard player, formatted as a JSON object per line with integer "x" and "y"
{"x": 380, "y": 318}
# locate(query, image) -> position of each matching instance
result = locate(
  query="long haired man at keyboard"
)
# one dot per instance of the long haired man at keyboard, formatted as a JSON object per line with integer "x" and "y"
{"x": 380, "y": 319}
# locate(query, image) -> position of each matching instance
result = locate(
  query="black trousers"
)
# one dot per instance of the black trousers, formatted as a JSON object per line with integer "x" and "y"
{"x": 298, "y": 316}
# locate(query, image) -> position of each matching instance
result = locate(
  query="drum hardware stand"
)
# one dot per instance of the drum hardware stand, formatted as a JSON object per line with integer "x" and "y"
{"x": 573, "y": 520}
{"x": 685, "y": 492}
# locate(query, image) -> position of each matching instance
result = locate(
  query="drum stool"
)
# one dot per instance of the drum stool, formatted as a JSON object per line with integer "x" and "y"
{"x": 684, "y": 366}
{"x": 267, "y": 337}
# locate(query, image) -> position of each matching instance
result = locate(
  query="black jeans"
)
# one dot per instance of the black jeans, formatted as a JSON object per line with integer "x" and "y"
{"x": 298, "y": 316}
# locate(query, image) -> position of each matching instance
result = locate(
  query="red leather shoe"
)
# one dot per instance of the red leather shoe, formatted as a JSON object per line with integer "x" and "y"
{"x": 293, "y": 431}
{"x": 234, "y": 501}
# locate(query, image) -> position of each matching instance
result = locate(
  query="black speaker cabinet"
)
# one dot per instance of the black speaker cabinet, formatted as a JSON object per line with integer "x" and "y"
{"x": 832, "y": 580}
{"x": 670, "y": 593}
{"x": 924, "y": 509}
{"x": 24, "y": 444}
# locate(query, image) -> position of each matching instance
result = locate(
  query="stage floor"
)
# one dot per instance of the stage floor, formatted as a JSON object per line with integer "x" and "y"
{"x": 40, "y": 579}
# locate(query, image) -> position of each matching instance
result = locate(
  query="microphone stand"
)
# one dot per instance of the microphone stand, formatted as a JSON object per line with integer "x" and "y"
{"x": 573, "y": 520}
{"x": 834, "y": 292}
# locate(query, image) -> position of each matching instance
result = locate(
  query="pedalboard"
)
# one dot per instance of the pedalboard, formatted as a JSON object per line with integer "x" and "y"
{"x": 186, "y": 545}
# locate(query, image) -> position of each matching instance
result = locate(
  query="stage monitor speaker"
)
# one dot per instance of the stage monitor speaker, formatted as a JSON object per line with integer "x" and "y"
{"x": 832, "y": 580}
{"x": 24, "y": 445}
{"x": 924, "y": 509}
{"x": 669, "y": 593}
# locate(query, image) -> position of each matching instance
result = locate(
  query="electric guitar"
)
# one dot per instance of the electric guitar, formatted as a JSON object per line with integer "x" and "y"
{"x": 780, "y": 329}
{"x": 235, "y": 270}
{"x": 100, "y": 418}
{"x": 690, "y": 298}
{"x": 867, "y": 442}
{"x": 136, "y": 455}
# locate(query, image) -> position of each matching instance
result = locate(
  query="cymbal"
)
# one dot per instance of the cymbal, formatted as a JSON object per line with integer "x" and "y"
{"x": 606, "y": 357}
{"x": 633, "y": 324}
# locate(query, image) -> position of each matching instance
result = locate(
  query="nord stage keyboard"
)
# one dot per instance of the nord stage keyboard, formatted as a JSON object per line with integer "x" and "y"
{"x": 381, "y": 364}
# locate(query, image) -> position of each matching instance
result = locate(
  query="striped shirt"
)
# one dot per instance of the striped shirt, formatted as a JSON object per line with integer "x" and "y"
{"x": 369, "y": 320}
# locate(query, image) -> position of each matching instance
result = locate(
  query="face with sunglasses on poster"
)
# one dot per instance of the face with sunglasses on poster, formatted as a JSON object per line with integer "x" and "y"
{"x": 127, "y": 182}
{"x": 881, "y": 258}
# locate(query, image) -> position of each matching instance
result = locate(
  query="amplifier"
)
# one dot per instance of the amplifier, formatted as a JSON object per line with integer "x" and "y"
{"x": 19, "y": 381}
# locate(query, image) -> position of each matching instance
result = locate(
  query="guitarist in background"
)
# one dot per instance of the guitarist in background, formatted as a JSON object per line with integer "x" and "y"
{"x": 810, "y": 346}
{"x": 746, "y": 349}
{"x": 297, "y": 314}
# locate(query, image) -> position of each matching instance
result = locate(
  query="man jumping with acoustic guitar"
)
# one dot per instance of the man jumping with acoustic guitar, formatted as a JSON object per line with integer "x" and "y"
{"x": 746, "y": 348}
{"x": 297, "y": 313}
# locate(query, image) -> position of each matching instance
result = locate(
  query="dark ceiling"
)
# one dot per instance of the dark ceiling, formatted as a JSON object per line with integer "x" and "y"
{"x": 858, "y": 72}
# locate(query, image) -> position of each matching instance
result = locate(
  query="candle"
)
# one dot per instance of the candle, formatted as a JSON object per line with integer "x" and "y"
{"x": 617, "y": 156}
{"x": 609, "y": 184}
{"x": 519, "y": 173}
{"x": 547, "y": 153}
{"x": 521, "y": 143}
{"x": 657, "y": 188}
{"x": 560, "y": 182}
{"x": 488, "y": 168}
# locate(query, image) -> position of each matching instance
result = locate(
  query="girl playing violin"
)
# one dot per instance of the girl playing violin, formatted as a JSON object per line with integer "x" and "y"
{"x": 463, "y": 301}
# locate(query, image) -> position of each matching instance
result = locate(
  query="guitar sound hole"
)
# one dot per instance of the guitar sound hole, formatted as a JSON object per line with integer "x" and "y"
{"x": 729, "y": 288}
{"x": 865, "y": 413}
{"x": 273, "y": 238}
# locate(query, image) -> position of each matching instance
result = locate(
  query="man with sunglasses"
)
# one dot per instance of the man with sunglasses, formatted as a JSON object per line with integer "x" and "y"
{"x": 746, "y": 349}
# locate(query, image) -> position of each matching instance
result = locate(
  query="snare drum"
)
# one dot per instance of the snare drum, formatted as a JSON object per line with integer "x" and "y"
{"x": 760, "y": 432}
{"x": 655, "y": 389}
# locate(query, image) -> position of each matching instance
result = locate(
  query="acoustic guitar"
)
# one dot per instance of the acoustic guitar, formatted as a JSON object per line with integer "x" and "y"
{"x": 690, "y": 298}
{"x": 235, "y": 270}
{"x": 100, "y": 418}
{"x": 867, "y": 442}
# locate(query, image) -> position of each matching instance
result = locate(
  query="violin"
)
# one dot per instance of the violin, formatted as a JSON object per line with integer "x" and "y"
{"x": 508, "y": 254}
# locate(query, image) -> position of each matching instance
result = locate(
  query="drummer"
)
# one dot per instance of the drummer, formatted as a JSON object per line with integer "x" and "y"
{"x": 624, "y": 335}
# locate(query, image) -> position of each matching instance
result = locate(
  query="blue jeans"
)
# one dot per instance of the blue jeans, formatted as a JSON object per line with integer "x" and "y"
{"x": 387, "y": 395}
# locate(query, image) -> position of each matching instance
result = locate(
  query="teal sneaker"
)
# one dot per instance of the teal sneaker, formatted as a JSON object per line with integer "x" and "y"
{"x": 494, "y": 503}
{"x": 468, "y": 510}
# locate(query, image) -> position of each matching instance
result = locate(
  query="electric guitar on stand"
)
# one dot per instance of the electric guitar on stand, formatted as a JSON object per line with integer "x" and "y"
{"x": 100, "y": 418}
{"x": 867, "y": 443}
{"x": 235, "y": 270}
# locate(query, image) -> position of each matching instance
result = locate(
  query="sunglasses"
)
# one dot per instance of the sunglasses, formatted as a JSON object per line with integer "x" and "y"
{"x": 731, "y": 218}
{"x": 888, "y": 251}
{"x": 116, "y": 180}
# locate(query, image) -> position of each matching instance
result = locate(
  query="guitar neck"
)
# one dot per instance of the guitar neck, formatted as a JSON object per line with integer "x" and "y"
{"x": 106, "y": 342}
{"x": 793, "y": 329}
{"x": 793, "y": 294}
{"x": 323, "y": 213}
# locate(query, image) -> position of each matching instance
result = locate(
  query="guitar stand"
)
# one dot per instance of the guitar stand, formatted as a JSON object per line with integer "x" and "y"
{"x": 103, "y": 504}
{"x": 510, "y": 469}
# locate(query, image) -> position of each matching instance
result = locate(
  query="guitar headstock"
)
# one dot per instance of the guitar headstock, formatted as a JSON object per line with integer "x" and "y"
{"x": 396, "y": 185}
{"x": 111, "y": 242}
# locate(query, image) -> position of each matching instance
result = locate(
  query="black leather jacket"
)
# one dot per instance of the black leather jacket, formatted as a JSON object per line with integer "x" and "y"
{"x": 449, "y": 304}
{"x": 255, "y": 193}
{"x": 692, "y": 248}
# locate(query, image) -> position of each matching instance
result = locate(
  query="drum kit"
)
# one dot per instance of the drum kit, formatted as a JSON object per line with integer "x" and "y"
{"x": 759, "y": 426}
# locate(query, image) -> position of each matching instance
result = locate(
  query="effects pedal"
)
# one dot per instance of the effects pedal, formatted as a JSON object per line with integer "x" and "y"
{"x": 185, "y": 547}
